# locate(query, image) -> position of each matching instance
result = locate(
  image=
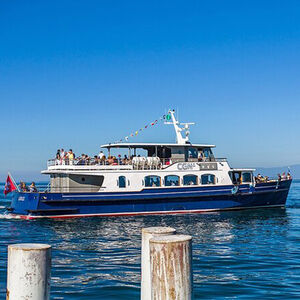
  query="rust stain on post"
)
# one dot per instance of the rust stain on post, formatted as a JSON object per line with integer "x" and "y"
{"x": 171, "y": 267}
{"x": 7, "y": 294}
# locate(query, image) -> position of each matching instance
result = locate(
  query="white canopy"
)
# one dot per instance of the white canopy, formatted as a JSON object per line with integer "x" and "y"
{"x": 147, "y": 145}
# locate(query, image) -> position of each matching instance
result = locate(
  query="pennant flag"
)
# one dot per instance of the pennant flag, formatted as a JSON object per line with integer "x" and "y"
{"x": 135, "y": 133}
{"x": 9, "y": 186}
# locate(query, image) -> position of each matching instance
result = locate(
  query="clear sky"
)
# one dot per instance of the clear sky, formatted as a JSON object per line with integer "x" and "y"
{"x": 83, "y": 73}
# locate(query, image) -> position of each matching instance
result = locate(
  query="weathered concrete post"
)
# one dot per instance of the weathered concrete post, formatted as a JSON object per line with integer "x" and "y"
{"x": 147, "y": 234}
{"x": 28, "y": 272}
{"x": 171, "y": 267}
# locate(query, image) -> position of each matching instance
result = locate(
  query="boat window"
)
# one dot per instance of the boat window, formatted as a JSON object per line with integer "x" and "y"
{"x": 246, "y": 176}
{"x": 152, "y": 181}
{"x": 122, "y": 182}
{"x": 192, "y": 153}
{"x": 171, "y": 180}
{"x": 208, "y": 179}
{"x": 208, "y": 155}
{"x": 190, "y": 180}
{"x": 235, "y": 177}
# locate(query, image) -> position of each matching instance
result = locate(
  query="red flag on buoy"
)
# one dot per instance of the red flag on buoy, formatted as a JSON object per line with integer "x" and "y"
{"x": 9, "y": 186}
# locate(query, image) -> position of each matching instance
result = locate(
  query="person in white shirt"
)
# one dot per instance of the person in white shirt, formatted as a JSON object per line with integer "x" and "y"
{"x": 100, "y": 155}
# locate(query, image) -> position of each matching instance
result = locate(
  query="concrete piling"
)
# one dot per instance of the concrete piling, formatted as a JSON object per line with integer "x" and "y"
{"x": 28, "y": 272}
{"x": 171, "y": 267}
{"x": 147, "y": 234}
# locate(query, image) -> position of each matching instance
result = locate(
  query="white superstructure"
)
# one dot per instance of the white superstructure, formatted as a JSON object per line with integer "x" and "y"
{"x": 166, "y": 165}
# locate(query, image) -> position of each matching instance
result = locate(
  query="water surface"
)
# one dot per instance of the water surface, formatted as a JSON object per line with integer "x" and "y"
{"x": 251, "y": 254}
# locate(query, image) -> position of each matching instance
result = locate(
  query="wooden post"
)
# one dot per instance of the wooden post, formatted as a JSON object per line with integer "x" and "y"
{"x": 147, "y": 234}
{"x": 28, "y": 272}
{"x": 171, "y": 267}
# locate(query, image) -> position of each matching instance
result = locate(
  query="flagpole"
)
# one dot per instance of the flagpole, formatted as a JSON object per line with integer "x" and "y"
{"x": 14, "y": 181}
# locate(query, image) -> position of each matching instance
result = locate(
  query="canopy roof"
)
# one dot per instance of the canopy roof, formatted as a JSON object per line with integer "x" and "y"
{"x": 242, "y": 170}
{"x": 147, "y": 145}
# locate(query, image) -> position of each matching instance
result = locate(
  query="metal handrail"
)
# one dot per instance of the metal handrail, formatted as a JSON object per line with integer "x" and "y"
{"x": 115, "y": 162}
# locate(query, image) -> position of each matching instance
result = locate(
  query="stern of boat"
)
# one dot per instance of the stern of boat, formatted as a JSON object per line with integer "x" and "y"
{"x": 24, "y": 203}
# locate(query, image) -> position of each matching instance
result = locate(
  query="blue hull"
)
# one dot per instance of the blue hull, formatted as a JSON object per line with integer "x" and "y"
{"x": 149, "y": 201}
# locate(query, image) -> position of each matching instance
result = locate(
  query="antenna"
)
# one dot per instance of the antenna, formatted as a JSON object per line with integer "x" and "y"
{"x": 186, "y": 126}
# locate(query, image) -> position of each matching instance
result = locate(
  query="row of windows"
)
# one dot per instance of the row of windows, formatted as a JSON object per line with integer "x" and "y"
{"x": 171, "y": 180}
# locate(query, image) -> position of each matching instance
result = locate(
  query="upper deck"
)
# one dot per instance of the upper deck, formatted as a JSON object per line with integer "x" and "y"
{"x": 154, "y": 156}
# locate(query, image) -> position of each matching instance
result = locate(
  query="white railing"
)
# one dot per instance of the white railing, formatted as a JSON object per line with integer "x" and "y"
{"x": 139, "y": 163}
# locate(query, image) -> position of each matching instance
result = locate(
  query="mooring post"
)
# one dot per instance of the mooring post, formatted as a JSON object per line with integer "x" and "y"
{"x": 147, "y": 234}
{"x": 171, "y": 267}
{"x": 28, "y": 272}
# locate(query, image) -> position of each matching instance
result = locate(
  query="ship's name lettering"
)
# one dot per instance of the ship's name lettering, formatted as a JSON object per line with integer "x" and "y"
{"x": 186, "y": 166}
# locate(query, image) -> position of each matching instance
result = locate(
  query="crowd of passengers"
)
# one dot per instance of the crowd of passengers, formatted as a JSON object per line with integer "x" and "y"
{"x": 284, "y": 176}
{"x": 69, "y": 158}
{"x": 31, "y": 188}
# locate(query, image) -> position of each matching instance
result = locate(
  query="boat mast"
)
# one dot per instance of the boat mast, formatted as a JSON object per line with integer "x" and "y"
{"x": 178, "y": 130}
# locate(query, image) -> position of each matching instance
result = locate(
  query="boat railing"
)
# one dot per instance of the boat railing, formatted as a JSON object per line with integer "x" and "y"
{"x": 137, "y": 163}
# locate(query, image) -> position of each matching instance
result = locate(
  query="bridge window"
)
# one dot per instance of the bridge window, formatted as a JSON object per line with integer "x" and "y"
{"x": 172, "y": 180}
{"x": 152, "y": 181}
{"x": 246, "y": 177}
{"x": 190, "y": 180}
{"x": 208, "y": 179}
{"x": 193, "y": 153}
{"x": 122, "y": 182}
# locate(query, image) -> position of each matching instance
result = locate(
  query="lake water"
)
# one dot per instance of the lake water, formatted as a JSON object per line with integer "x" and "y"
{"x": 252, "y": 254}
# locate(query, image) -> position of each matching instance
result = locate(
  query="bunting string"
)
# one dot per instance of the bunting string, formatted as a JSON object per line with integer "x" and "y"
{"x": 149, "y": 125}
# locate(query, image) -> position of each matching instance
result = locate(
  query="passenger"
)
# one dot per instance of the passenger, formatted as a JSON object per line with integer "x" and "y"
{"x": 279, "y": 177}
{"x": 283, "y": 176}
{"x": 125, "y": 160}
{"x": 82, "y": 160}
{"x": 23, "y": 187}
{"x": 96, "y": 160}
{"x": 32, "y": 188}
{"x": 110, "y": 160}
{"x": 70, "y": 157}
{"x": 62, "y": 155}
{"x": 57, "y": 159}
{"x": 200, "y": 155}
{"x": 259, "y": 178}
{"x": 119, "y": 160}
{"x": 191, "y": 182}
{"x": 103, "y": 160}
{"x": 87, "y": 159}
{"x": 100, "y": 155}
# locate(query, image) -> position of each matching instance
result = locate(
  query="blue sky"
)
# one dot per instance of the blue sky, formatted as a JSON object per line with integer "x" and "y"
{"x": 83, "y": 73}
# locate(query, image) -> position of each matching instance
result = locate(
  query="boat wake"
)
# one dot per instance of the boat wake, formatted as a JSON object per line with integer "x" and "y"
{"x": 9, "y": 216}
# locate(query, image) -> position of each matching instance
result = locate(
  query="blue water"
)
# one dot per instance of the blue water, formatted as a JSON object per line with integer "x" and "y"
{"x": 252, "y": 254}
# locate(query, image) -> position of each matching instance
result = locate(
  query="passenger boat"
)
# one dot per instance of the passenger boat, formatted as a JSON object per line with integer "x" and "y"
{"x": 172, "y": 178}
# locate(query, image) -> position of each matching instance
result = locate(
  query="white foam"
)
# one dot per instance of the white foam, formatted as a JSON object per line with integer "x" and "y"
{"x": 9, "y": 216}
